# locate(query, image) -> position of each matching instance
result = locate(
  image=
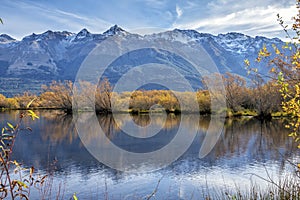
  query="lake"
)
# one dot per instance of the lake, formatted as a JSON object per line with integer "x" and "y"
{"x": 246, "y": 148}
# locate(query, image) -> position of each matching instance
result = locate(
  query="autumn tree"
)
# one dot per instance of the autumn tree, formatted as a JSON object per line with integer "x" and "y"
{"x": 12, "y": 103}
{"x": 139, "y": 101}
{"x": 103, "y": 96}
{"x": 3, "y": 101}
{"x": 284, "y": 65}
{"x": 204, "y": 103}
{"x": 266, "y": 99}
{"x": 236, "y": 91}
{"x": 58, "y": 95}
{"x": 168, "y": 101}
{"x": 27, "y": 97}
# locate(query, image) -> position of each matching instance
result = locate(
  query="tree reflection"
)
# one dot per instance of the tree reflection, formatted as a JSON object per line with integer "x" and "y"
{"x": 58, "y": 128}
{"x": 108, "y": 125}
{"x": 254, "y": 139}
{"x": 244, "y": 140}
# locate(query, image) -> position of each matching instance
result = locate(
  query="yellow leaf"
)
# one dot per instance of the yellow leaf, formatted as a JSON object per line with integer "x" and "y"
{"x": 27, "y": 106}
{"x": 273, "y": 69}
{"x": 32, "y": 114}
{"x": 287, "y": 126}
{"x": 22, "y": 184}
{"x": 10, "y": 126}
{"x": 247, "y": 62}
{"x": 75, "y": 197}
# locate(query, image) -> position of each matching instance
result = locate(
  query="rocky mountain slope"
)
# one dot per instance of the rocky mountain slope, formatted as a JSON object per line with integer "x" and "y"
{"x": 40, "y": 58}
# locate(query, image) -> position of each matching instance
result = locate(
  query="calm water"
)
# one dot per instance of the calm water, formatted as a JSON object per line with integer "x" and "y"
{"x": 245, "y": 147}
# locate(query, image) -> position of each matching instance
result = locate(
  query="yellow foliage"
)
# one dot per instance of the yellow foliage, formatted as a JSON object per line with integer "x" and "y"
{"x": 3, "y": 101}
{"x": 12, "y": 103}
{"x": 285, "y": 67}
{"x": 291, "y": 105}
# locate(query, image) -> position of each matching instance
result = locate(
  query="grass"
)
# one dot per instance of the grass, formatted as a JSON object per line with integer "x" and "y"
{"x": 285, "y": 190}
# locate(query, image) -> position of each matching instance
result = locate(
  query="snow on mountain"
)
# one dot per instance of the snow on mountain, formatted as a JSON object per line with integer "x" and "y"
{"x": 57, "y": 55}
{"x": 239, "y": 43}
{"x": 83, "y": 35}
{"x": 4, "y": 39}
{"x": 235, "y": 42}
{"x": 175, "y": 35}
{"x": 115, "y": 30}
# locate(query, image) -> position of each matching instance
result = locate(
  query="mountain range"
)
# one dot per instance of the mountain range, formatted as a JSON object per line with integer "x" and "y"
{"x": 57, "y": 55}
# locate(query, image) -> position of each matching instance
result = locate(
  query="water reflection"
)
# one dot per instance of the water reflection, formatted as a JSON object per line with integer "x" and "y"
{"x": 58, "y": 127}
{"x": 264, "y": 140}
{"x": 244, "y": 142}
{"x": 126, "y": 152}
{"x": 256, "y": 141}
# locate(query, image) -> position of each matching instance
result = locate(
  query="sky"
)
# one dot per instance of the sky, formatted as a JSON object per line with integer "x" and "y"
{"x": 251, "y": 17}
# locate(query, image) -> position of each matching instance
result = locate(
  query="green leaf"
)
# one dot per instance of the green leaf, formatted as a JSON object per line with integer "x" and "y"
{"x": 280, "y": 77}
{"x": 1, "y": 21}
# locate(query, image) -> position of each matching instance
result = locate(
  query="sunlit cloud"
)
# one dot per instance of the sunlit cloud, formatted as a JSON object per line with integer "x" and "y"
{"x": 251, "y": 17}
{"x": 252, "y": 21}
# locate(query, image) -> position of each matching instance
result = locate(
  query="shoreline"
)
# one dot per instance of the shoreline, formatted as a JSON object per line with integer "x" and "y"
{"x": 229, "y": 113}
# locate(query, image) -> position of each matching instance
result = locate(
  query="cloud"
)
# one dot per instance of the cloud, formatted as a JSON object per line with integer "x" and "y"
{"x": 158, "y": 4}
{"x": 249, "y": 20}
{"x": 228, "y": 6}
{"x": 178, "y": 11}
{"x": 35, "y": 17}
{"x": 214, "y": 16}
{"x": 78, "y": 21}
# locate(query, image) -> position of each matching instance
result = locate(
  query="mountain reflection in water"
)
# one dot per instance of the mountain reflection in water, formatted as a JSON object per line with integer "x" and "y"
{"x": 245, "y": 146}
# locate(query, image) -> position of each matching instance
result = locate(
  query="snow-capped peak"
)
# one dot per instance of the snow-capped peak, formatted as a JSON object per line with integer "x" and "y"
{"x": 83, "y": 34}
{"x": 193, "y": 33}
{"x": 48, "y": 35}
{"x": 175, "y": 35}
{"x": 33, "y": 36}
{"x": 51, "y": 34}
{"x": 233, "y": 35}
{"x": 234, "y": 42}
{"x": 5, "y": 39}
{"x": 114, "y": 30}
